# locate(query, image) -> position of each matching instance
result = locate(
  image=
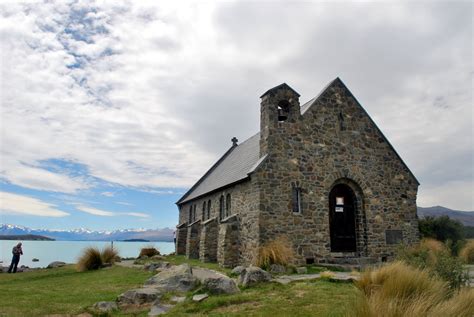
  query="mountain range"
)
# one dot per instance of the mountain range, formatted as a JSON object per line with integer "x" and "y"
{"x": 165, "y": 234}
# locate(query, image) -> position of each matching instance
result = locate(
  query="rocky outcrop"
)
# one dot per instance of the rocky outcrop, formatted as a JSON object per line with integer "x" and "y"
{"x": 55, "y": 264}
{"x": 105, "y": 307}
{"x": 178, "y": 278}
{"x": 253, "y": 275}
{"x": 237, "y": 270}
{"x": 140, "y": 296}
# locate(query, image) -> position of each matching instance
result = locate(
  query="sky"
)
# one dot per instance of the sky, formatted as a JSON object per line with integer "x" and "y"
{"x": 111, "y": 110}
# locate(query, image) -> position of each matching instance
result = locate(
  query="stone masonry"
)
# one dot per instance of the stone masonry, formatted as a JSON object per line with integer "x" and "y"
{"x": 328, "y": 142}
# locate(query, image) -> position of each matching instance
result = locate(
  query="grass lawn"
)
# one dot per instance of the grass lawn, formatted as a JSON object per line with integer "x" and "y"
{"x": 309, "y": 298}
{"x": 63, "y": 290}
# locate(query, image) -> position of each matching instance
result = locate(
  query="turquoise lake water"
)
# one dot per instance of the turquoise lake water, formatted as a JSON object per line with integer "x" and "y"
{"x": 69, "y": 251}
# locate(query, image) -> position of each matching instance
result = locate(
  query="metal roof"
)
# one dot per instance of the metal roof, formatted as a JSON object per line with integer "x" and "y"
{"x": 232, "y": 167}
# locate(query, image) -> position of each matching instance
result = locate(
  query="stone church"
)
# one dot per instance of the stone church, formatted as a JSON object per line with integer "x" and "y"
{"x": 321, "y": 174}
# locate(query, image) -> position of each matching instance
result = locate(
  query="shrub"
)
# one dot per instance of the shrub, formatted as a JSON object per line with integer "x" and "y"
{"x": 90, "y": 259}
{"x": 109, "y": 255}
{"x": 443, "y": 229}
{"x": 277, "y": 251}
{"x": 434, "y": 256}
{"x": 467, "y": 252}
{"x": 327, "y": 275}
{"x": 400, "y": 290}
{"x": 148, "y": 251}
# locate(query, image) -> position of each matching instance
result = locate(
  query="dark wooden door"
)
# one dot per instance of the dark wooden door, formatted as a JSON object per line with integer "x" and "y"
{"x": 342, "y": 219}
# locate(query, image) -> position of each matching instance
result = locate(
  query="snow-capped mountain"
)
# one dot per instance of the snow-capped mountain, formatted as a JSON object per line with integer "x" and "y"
{"x": 165, "y": 234}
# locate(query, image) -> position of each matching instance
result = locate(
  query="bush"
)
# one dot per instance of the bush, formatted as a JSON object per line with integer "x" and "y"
{"x": 90, "y": 259}
{"x": 148, "y": 251}
{"x": 467, "y": 252}
{"x": 399, "y": 290}
{"x": 277, "y": 251}
{"x": 109, "y": 255}
{"x": 435, "y": 257}
{"x": 443, "y": 229}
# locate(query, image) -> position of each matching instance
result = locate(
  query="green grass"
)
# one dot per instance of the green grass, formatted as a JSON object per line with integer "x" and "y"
{"x": 309, "y": 298}
{"x": 180, "y": 259}
{"x": 63, "y": 290}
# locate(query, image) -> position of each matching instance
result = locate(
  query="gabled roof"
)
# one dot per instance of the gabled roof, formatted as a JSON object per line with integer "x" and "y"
{"x": 234, "y": 166}
{"x": 284, "y": 85}
{"x": 241, "y": 160}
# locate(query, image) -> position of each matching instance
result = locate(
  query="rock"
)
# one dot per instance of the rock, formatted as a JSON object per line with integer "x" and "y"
{"x": 55, "y": 264}
{"x": 277, "y": 268}
{"x": 237, "y": 270}
{"x": 253, "y": 275}
{"x": 35, "y": 260}
{"x": 139, "y": 296}
{"x": 105, "y": 306}
{"x": 157, "y": 257}
{"x": 156, "y": 266}
{"x": 221, "y": 285}
{"x": 302, "y": 270}
{"x": 159, "y": 309}
{"x": 177, "y": 299}
{"x": 177, "y": 278}
{"x": 200, "y": 297}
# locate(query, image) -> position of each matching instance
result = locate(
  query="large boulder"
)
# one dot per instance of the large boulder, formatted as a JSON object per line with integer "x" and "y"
{"x": 156, "y": 266}
{"x": 237, "y": 270}
{"x": 221, "y": 285}
{"x": 277, "y": 268}
{"x": 139, "y": 296}
{"x": 177, "y": 278}
{"x": 55, "y": 264}
{"x": 253, "y": 275}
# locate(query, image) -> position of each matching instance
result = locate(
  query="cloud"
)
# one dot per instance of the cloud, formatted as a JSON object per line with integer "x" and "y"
{"x": 147, "y": 95}
{"x": 23, "y": 205}
{"x": 104, "y": 213}
{"x": 107, "y": 194}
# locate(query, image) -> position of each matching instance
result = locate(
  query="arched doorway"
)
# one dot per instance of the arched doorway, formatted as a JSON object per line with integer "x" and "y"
{"x": 342, "y": 226}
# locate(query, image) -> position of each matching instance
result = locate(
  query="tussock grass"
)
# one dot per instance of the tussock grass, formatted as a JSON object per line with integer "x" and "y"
{"x": 467, "y": 252}
{"x": 278, "y": 251}
{"x": 400, "y": 290}
{"x": 149, "y": 251}
{"x": 109, "y": 255}
{"x": 90, "y": 259}
{"x": 327, "y": 275}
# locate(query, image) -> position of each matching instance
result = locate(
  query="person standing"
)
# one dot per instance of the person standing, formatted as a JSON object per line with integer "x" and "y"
{"x": 17, "y": 252}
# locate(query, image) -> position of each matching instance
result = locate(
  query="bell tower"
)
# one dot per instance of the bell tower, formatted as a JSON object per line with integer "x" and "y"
{"x": 279, "y": 109}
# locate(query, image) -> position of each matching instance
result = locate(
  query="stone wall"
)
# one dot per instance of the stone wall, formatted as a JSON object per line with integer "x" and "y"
{"x": 209, "y": 236}
{"x": 193, "y": 240}
{"x": 228, "y": 250}
{"x": 181, "y": 237}
{"x": 333, "y": 141}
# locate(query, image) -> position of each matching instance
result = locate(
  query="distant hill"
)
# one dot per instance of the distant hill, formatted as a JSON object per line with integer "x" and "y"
{"x": 82, "y": 234}
{"x": 25, "y": 237}
{"x": 465, "y": 217}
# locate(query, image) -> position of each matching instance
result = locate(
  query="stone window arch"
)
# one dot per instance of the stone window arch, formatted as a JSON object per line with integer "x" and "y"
{"x": 204, "y": 210}
{"x": 228, "y": 205}
{"x": 209, "y": 209}
{"x": 221, "y": 208}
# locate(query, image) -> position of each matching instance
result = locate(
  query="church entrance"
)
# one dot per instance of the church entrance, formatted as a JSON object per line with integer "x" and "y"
{"x": 342, "y": 219}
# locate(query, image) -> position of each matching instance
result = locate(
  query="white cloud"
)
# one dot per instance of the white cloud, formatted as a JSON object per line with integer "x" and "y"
{"x": 148, "y": 94}
{"x": 23, "y": 205}
{"x": 104, "y": 213}
{"x": 107, "y": 194}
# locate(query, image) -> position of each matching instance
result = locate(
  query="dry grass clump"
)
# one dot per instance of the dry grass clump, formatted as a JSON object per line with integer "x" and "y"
{"x": 92, "y": 259}
{"x": 400, "y": 290}
{"x": 148, "y": 251}
{"x": 109, "y": 255}
{"x": 278, "y": 251}
{"x": 467, "y": 252}
{"x": 327, "y": 275}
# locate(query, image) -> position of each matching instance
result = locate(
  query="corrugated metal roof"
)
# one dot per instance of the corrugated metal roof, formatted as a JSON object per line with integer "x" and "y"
{"x": 234, "y": 166}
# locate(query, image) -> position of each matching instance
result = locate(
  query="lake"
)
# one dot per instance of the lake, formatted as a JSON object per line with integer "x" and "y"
{"x": 69, "y": 251}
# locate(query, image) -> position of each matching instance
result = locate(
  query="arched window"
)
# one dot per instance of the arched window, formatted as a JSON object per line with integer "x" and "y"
{"x": 221, "y": 207}
{"x": 227, "y": 205}
{"x": 296, "y": 199}
{"x": 194, "y": 213}
{"x": 209, "y": 209}
{"x": 204, "y": 211}
{"x": 190, "y": 213}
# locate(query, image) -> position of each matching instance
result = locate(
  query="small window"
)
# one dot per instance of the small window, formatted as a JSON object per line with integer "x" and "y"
{"x": 227, "y": 205}
{"x": 283, "y": 110}
{"x": 221, "y": 207}
{"x": 342, "y": 125}
{"x": 204, "y": 211}
{"x": 209, "y": 209}
{"x": 194, "y": 213}
{"x": 296, "y": 199}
